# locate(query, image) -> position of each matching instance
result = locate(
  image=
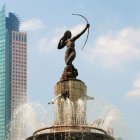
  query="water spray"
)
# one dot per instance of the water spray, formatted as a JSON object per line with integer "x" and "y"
{"x": 64, "y": 94}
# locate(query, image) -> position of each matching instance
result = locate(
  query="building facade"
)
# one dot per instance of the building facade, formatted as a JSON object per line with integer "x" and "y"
{"x": 13, "y": 69}
{"x": 18, "y": 69}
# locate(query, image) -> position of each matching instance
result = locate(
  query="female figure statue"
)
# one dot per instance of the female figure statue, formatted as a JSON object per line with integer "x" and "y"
{"x": 70, "y": 54}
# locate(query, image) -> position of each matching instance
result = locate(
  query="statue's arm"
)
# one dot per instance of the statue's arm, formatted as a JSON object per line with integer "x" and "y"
{"x": 61, "y": 43}
{"x": 77, "y": 36}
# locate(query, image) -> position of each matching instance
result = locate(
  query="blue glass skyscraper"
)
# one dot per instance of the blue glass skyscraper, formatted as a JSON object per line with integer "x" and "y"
{"x": 5, "y": 99}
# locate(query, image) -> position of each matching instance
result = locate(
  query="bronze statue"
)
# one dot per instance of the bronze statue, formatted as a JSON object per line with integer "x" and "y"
{"x": 70, "y": 71}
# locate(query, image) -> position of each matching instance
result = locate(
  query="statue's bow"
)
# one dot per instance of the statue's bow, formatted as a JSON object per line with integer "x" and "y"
{"x": 88, "y": 29}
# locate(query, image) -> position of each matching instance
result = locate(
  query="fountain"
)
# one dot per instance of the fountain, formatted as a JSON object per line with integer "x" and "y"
{"x": 70, "y": 115}
{"x": 70, "y": 121}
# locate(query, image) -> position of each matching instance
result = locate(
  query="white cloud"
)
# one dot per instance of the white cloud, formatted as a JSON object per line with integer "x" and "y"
{"x": 135, "y": 91}
{"x": 77, "y": 29}
{"x": 49, "y": 44}
{"x": 32, "y": 25}
{"x": 116, "y": 47}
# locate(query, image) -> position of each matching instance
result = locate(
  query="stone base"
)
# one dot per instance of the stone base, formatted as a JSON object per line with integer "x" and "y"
{"x": 75, "y": 88}
{"x": 69, "y": 73}
{"x": 70, "y": 113}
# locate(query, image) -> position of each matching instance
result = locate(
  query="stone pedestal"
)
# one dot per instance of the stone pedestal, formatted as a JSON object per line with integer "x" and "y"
{"x": 70, "y": 110}
{"x": 69, "y": 73}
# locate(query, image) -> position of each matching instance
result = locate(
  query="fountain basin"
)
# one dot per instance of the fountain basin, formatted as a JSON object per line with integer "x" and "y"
{"x": 70, "y": 133}
{"x": 71, "y": 136}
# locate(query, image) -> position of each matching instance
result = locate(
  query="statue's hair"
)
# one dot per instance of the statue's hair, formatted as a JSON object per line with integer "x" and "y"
{"x": 66, "y": 33}
{"x": 61, "y": 43}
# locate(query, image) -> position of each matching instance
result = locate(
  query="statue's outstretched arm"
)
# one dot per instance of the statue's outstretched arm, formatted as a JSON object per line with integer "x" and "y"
{"x": 77, "y": 36}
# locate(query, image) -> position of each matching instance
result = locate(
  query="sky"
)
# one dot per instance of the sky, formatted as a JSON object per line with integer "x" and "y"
{"x": 109, "y": 64}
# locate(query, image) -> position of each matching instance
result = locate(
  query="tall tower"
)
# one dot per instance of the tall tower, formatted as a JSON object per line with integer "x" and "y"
{"x": 13, "y": 69}
{"x": 18, "y": 69}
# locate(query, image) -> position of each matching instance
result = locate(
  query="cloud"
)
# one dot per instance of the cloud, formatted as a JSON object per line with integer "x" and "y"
{"x": 32, "y": 25}
{"x": 48, "y": 44}
{"x": 115, "y": 48}
{"x": 135, "y": 91}
{"x": 77, "y": 29}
